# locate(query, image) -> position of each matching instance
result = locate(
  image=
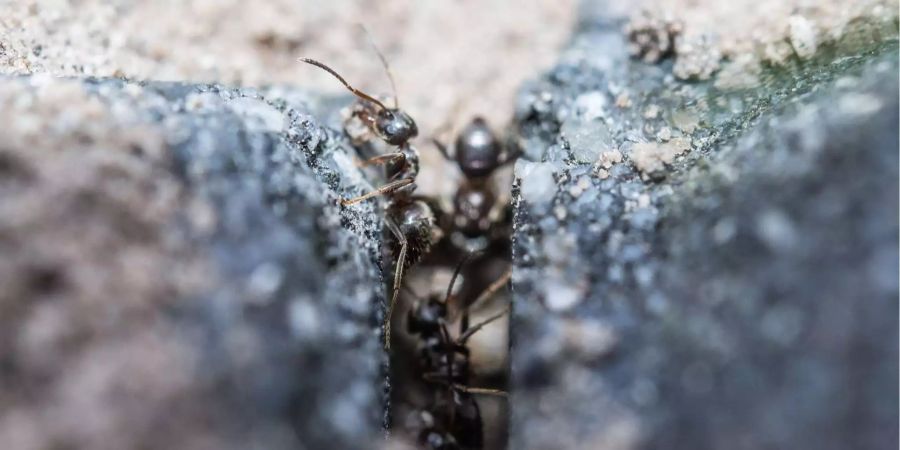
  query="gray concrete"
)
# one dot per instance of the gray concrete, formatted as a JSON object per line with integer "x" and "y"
{"x": 702, "y": 267}
{"x": 259, "y": 326}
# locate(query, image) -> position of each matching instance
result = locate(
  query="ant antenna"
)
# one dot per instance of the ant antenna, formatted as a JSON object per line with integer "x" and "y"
{"x": 384, "y": 63}
{"x": 456, "y": 274}
{"x": 352, "y": 89}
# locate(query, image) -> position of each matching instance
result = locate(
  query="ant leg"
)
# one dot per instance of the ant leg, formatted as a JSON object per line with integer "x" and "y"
{"x": 447, "y": 127}
{"x": 398, "y": 279}
{"x": 483, "y": 297}
{"x": 435, "y": 378}
{"x": 441, "y": 148}
{"x": 510, "y": 157}
{"x": 461, "y": 340}
{"x": 480, "y": 391}
{"x": 465, "y": 319}
{"x": 388, "y": 188}
{"x": 449, "y": 359}
{"x": 459, "y": 266}
{"x": 382, "y": 159}
{"x": 492, "y": 289}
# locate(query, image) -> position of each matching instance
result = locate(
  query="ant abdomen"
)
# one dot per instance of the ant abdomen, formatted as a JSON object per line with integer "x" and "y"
{"x": 418, "y": 226}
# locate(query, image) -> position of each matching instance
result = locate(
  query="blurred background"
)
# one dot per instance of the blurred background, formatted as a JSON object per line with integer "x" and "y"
{"x": 451, "y": 60}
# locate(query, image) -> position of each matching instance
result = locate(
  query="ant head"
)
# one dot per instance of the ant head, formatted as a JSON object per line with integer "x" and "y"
{"x": 477, "y": 149}
{"x": 395, "y": 126}
{"x": 391, "y": 124}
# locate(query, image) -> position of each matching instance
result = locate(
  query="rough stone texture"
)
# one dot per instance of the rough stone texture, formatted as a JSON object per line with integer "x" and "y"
{"x": 749, "y": 34}
{"x": 719, "y": 268}
{"x": 177, "y": 271}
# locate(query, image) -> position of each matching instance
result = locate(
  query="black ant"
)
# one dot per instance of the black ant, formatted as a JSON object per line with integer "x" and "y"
{"x": 410, "y": 219}
{"x": 454, "y": 419}
{"x": 478, "y": 153}
{"x": 476, "y": 224}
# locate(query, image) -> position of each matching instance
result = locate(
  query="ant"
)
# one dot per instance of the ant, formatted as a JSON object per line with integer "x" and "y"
{"x": 411, "y": 219}
{"x": 475, "y": 223}
{"x": 454, "y": 419}
{"x": 478, "y": 153}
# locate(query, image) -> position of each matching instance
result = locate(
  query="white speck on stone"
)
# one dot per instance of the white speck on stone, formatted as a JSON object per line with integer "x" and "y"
{"x": 580, "y": 186}
{"x": 664, "y": 134}
{"x": 643, "y": 201}
{"x": 591, "y": 105}
{"x": 651, "y": 112}
{"x": 303, "y": 317}
{"x": 650, "y": 157}
{"x": 777, "y": 52}
{"x": 560, "y": 212}
{"x": 860, "y": 104}
{"x": 623, "y": 100}
{"x": 263, "y": 282}
{"x": 724, "y": 230}
{"x": 803, "y": 36}
{"x": 586, "y": 138}
{"x": 742, "y": 72}
{"x": 776, "y": 230}
{"x": 608, "y": 158}
{"x": 538, "y": 184}
{"x": 590, "y": 340}
{"x": 846, "y": 82}
{"x": 698, "y": 57}
{"x": 559, "y": 295}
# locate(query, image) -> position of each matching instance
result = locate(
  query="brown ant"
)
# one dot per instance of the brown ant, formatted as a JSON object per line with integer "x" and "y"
{"x": 454, "y": 419}
{"x": 410, "y": 219}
